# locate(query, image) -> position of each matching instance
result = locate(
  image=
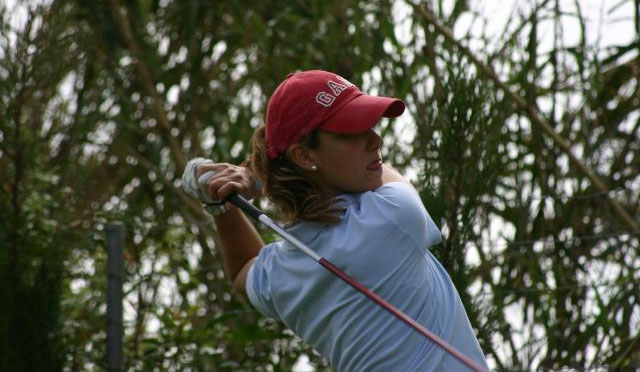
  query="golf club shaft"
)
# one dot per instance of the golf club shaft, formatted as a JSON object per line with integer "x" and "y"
{"x": 258, "y": 215}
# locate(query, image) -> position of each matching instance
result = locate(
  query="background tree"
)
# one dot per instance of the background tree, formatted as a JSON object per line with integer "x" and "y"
{"x": 102, "y": 102}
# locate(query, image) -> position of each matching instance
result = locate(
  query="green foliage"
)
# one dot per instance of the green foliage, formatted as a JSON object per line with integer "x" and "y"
{"x": 102, "y": 101}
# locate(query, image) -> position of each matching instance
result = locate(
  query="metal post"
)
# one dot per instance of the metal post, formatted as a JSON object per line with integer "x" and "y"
{"x": 115, "y": 261}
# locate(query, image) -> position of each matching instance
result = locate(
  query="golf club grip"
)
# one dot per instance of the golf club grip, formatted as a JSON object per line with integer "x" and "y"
{"x": 246, "y": 207}
{"x": 402, "y": 316}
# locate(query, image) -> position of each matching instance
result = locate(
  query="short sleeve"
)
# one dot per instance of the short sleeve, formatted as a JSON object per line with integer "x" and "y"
{"x": 400, "y": 204}
{"x": 258, "y": 283}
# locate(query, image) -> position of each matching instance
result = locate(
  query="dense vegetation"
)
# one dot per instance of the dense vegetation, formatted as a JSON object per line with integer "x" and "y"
{"x": 524, "y": 147}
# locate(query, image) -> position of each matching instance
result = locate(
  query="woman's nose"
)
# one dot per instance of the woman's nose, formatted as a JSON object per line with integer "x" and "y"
{"x": 374, "y": 142}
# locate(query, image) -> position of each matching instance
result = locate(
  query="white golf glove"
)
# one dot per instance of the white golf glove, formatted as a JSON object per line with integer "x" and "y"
{"x": 197, "y": 187}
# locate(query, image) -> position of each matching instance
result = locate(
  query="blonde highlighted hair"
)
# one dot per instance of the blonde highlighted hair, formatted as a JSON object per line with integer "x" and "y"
{"x": 296, "y": 197}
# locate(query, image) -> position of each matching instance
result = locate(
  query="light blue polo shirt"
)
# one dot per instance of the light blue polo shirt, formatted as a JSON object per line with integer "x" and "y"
{"x": 381, "y": 242}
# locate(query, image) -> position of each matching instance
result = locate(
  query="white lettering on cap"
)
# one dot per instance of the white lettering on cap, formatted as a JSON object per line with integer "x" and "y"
{"x": 336, "y": 88}
{"x": 327, "y": 99}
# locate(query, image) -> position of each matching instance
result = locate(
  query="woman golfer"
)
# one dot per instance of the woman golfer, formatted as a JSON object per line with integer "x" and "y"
{"x": 317, "y": 160}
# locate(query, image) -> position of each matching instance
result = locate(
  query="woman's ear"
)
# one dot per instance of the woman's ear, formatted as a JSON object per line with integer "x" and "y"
{"x": 301, "y": 157}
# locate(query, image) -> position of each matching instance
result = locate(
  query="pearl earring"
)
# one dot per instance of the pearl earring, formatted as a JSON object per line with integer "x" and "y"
{"x": 313, "y": 168}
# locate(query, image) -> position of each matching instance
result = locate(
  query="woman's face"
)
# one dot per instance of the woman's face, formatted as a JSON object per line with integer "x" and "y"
{"x": 348, "y": 162}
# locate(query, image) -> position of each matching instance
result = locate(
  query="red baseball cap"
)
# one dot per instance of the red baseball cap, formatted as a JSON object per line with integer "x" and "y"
{"x": 318, "y": 99}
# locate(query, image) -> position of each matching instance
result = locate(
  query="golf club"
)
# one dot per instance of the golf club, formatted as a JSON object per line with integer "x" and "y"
{"x": 258, "y": 215}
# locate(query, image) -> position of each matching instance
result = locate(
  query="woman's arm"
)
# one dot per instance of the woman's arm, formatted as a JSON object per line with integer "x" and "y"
{"x": 391, "y": 175}
{"x": 240, "y": 240}
{"x": 241, "y": 243}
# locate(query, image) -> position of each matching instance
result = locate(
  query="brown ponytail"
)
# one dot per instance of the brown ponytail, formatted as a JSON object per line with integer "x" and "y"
{"x": 295, "y": 197}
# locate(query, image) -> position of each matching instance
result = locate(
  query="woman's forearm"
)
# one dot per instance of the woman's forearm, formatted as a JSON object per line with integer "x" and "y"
{"x": 240, "y": 240}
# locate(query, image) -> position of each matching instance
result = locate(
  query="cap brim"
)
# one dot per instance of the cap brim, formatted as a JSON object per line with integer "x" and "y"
{"x": 362, "y": 113}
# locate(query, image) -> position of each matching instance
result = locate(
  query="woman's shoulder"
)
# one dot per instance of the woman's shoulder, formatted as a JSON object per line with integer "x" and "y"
{"x": 396, "y": 187}
{"x": 394, "y": 194}
{"x": 400, "y": 205}
{"x": 393, "y": 202}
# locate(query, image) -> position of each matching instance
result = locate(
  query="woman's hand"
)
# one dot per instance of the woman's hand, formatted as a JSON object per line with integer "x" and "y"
{"x": 228, "y": 179}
